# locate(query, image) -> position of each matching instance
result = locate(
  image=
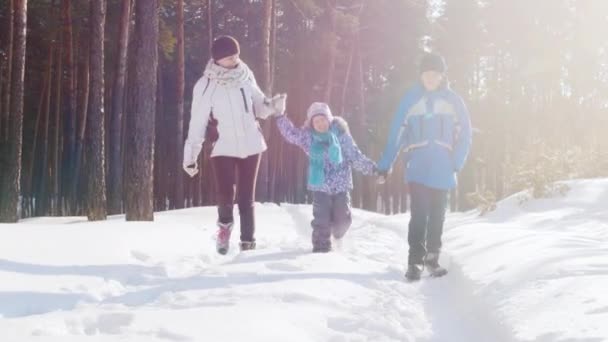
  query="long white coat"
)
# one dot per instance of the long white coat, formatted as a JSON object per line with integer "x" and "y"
{"x": 236, "y": 101}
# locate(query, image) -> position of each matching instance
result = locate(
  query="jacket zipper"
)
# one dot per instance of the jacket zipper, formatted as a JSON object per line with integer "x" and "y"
{"x": 207, "y": 86}
{"x": 244, "y": 100}
{"x": 236, "y": 138}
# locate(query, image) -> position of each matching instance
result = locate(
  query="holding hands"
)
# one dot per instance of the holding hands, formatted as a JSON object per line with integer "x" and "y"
{"x": 191, "y": 169}
{"x": 382, "y": 176}
{"x": 279, "y": 103}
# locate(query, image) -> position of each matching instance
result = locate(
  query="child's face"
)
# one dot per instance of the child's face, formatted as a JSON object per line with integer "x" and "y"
{"x": 431, "y": 80}
{"x": 320, "y": 123}
{"x": 229, "y": 62}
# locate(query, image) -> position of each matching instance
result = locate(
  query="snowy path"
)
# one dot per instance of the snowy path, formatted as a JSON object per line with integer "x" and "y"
{"x": 528, "y": 272}
{"x": 78, "y": 281}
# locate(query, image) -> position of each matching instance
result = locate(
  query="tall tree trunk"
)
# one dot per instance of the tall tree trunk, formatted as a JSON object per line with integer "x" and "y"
{"x": 160, "y": 146}
{"x": 265, "y": 51}
{"x": 207, "y": 176}
{"x": 264, "y": 179}
{"x": 370, "y": 195}
{"x": 354, "y": 49}
{"x": 2, "y": 87}
{"x": 349, "y": 67}
{"x": 361, "y": 193}
{"x": 179, "y": 174}
{"x": 84, "y": 90}
{"x": 43, "y": 196}
{"x": 209, "y": 25}
{"x": 29, "y": 183}
{"x": 277, "y": 149}
{"x": 56, "y": 151}
{"x": 140, "y": 140}
{"x": 118, "y": 92}
{"x": 273, "y": 43}
{"x": 9, "y": 197}
{"x": 295, "y": 162}
{"x": 96, "y": 194}
{"x": 9, "y": 68}
{"x": 70, "y": 117}
{"x": 332, "y": 41}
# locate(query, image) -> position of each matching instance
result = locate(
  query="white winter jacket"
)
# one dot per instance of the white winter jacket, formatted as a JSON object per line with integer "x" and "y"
{"x": 236, "y": 102}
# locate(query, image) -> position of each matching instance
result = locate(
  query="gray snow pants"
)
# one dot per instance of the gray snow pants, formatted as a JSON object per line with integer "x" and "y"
{"x": 331, "y": 216}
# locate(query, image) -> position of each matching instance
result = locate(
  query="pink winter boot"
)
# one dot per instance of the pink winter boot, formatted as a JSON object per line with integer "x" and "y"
{"x": 223, "y": 237}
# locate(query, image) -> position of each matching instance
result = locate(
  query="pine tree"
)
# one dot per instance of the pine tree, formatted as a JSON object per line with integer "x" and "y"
{"x": 139, "y": 202}
{"x": 11, "y": 180}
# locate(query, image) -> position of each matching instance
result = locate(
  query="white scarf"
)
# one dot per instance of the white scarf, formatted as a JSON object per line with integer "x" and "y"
{"x": 230, "y": 77}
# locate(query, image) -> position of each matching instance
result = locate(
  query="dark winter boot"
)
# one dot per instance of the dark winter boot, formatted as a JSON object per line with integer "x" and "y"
{"x": 247, "y": 245}
{"x": 223, "y": 237}
{"x": 413, "y": 272}
{"x": 431, "y": 262}
{"x": 321, "y": 248}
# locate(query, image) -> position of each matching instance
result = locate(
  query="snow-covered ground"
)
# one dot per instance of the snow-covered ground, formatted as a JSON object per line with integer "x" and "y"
{"x": 531, "y": 272}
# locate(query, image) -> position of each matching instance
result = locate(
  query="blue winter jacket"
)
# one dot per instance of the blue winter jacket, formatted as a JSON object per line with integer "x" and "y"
{"x": 434, "y": 131}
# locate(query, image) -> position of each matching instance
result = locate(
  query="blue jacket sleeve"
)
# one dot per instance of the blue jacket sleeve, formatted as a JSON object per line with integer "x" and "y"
{"x": 464, "y": 138}
{"x": 397, "y": 134}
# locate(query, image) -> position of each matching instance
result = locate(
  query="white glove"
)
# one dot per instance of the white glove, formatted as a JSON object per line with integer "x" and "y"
{"x": 189, "y": 163}
{"x": 382, "y": 176}
{"x": 191, "y": 170}
{"x": 279, "y": 103}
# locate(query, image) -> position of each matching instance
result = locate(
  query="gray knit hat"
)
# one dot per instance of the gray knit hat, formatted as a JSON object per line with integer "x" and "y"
{"x": 318, "y": 108}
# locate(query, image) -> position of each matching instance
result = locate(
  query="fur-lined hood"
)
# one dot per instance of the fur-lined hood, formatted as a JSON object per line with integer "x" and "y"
{"x": 341, "y": 124}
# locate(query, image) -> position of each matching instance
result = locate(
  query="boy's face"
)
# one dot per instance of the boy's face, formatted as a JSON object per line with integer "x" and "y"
{"x": 431, "y": 80}
{"x": 320, "y": 123}
{"x": 229, "y": 62}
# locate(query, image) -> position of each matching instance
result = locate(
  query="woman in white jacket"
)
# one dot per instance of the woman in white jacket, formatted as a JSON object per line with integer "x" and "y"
{"x": 226, "y": 104}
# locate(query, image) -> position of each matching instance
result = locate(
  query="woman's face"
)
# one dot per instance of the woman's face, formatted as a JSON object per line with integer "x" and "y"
{"x": 320, "y": 123}
{"x": 431, "y": 80}
{"x": 229, "y": 62}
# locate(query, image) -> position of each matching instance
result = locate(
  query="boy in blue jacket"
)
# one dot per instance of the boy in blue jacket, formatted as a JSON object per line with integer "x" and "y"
{"x": 433, "y": 128}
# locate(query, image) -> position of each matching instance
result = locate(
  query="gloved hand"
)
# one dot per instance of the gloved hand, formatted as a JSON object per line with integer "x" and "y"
{"x": 191, "y": 169}
{"x": 279, "y": 103}
{"x": 382, "y": 176}
{"x": 189, "y": 163}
